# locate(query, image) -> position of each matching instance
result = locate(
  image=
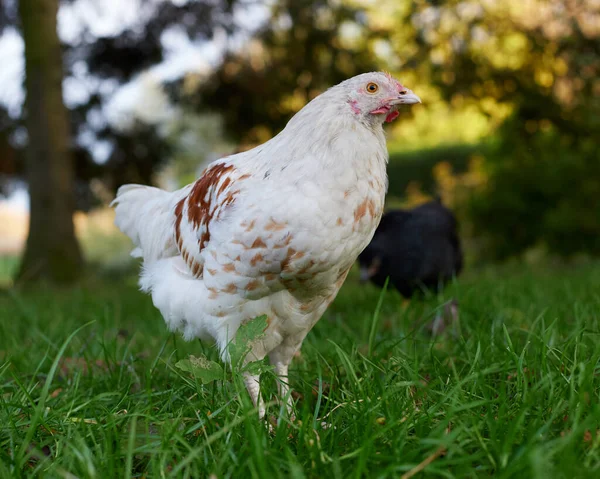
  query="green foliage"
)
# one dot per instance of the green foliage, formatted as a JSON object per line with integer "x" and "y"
{"x": 246, "y": 335}
{"x": 207, "y": 371}
{"x": 296, "y": 55}
{"x": 8, "y": 267}
{"x": 542, "y": 190}
{"x": 533, "y": 70}
{"x": 417, "y": 166}
{"x": 514, "y": 392}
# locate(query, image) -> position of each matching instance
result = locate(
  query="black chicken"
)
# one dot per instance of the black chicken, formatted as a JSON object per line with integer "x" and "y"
{"x": 418, "y": 249}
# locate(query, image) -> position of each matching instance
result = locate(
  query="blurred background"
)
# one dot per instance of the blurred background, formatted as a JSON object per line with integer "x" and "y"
{"x": 98, "y": 93}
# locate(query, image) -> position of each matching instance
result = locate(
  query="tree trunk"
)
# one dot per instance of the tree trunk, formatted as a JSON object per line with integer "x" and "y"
{"x": 52, "y": 252}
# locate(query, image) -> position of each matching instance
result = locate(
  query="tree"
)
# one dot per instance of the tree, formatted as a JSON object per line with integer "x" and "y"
{"x": 58, "y": 166}
{"x": 535, "y": 67}
{"x": 52, "y": 252}
{"x": 100, "y": 65}
{"x": 298, "y": 53}
{"x": 255, "y": 96}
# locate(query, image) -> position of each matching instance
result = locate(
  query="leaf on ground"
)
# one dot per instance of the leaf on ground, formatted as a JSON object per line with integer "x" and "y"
{"x": 256, "y": 368}
{"x": 201, "y": 368}
{"x": 247, "y": 334}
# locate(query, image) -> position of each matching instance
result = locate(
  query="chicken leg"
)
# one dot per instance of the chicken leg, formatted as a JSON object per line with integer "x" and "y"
{"x": 280, "y": 358}
{"x": 252, "y": 382}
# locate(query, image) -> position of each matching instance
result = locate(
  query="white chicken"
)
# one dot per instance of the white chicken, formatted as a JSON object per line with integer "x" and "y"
{"x": 271, "y": 231}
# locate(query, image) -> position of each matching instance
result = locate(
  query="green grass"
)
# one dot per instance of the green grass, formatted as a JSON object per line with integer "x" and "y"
{"x": 8, "y": 269}
{"x": 88, "y": 387}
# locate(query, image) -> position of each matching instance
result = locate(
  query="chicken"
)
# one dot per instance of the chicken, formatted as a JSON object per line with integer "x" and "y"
{"x": 418, "y": 249}
{"x": 270, "y": 231}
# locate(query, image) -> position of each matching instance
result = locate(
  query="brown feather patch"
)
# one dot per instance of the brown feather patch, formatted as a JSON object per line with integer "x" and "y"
{"x": 371, "y": 208}
{"x": 178, "y": 216}
{"x": 258, "y": 243}
{"x": 200, "y": 207}
{"x": 273, "y": 225}
{"x": 291, "y": 252}
{"x": 286, "y": 241}
{"x": 210, "y": 195}
{"x": 360, "y": 211}
{"x": 196, "y": 268}
{"x": 214, "y": 294}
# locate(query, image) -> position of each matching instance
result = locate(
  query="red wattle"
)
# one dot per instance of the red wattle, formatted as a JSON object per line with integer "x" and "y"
{"x": 391, "y": 116}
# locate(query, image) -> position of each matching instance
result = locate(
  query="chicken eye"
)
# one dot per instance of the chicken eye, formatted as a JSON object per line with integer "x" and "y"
{"x": 372, "y": 87}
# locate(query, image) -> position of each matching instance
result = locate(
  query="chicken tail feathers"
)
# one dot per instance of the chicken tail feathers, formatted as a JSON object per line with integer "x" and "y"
{"x": 145, "y": 214}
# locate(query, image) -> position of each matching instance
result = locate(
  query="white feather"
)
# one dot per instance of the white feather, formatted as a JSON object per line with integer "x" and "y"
{"x": 144, "y": 214}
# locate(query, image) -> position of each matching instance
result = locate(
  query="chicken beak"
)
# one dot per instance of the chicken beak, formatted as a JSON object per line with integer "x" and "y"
{"x": 407, "y": 97}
